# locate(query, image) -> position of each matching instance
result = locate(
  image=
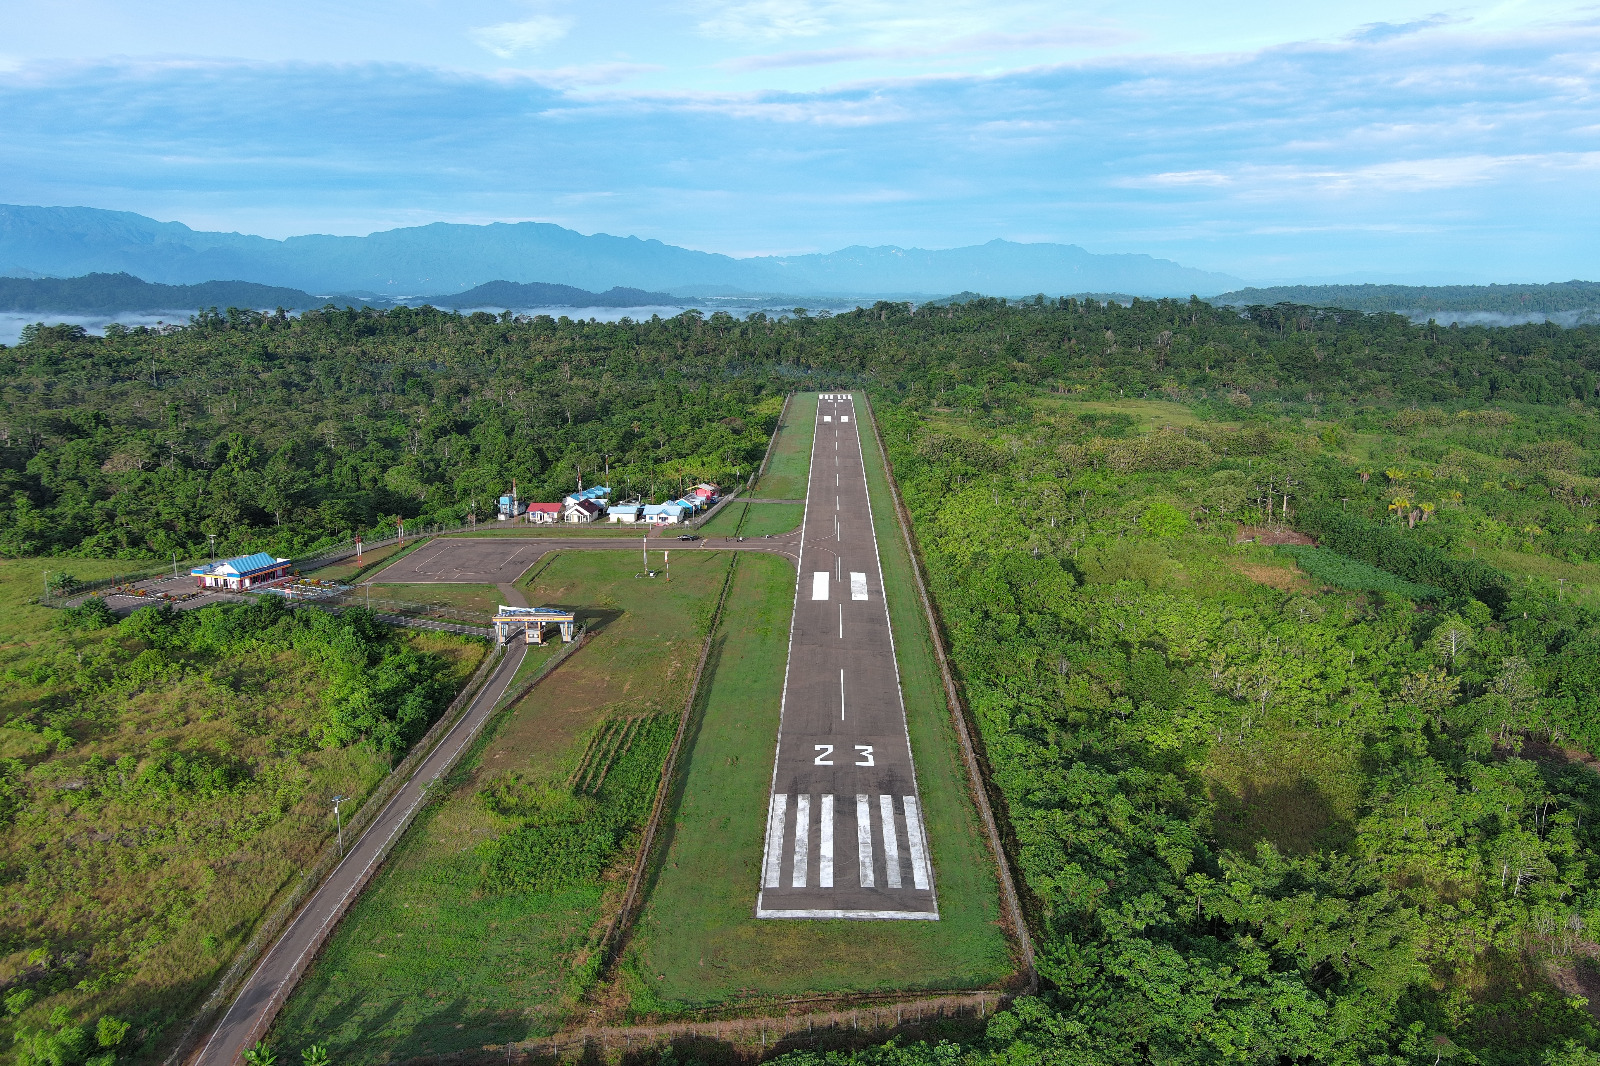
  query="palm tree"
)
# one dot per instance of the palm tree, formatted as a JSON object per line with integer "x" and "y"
{"x": 1394, "y": 474}
{"x": 1427, "y": 510}
{"x": 1400, "y": 505}
{"x": 260, "y": 1055}
{"x": 315, "y": 1055}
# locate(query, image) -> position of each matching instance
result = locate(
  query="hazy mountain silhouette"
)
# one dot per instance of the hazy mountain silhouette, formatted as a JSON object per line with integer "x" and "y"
{"x": 445, "y": 257}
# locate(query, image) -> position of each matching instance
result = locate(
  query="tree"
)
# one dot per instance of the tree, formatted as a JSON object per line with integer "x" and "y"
{"x": 315, "y": 1055}
{"x": 261, "y": 1055}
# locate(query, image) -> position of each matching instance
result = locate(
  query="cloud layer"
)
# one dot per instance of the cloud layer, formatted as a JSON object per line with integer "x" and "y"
{"x": 1423, "y": 147}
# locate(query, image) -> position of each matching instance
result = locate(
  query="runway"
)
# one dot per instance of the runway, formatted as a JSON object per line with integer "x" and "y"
{"x": 845, "y": 836}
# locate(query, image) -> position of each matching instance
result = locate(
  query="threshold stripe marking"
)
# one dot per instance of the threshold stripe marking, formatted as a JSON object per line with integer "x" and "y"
{"x": 891, "y": 843}
{"x": 825, "y": 857}
{"x": 775, "y": 818}
{"x": 919, "y": 869}
{"x": 858, "y": 586}
{"x": 864, "y": 841}
{"x": 802, "y": 839}
{"x": 819, "y": 585}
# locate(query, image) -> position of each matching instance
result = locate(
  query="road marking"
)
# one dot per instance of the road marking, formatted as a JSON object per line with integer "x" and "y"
{"x": 891, "y": 843}
{"x": 864, "y": 841}
{"x": 841, "y": 693}
{"x": 919, "y": 869}
{"x": 858, "y": 586}
{"x": 802, "y": 839}
{"x": 825, "y": 859}
{"x": 819, "y": 585}
{"x": 844, "y": 418}
{"x": 836, "y": 503}
{"x": 827, "y": 418}
{"x": 780, "y": 803}
{"x": 841, "y": 621}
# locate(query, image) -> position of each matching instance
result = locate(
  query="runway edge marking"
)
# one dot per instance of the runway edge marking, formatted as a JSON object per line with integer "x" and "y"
{"x": 794, "y": 613}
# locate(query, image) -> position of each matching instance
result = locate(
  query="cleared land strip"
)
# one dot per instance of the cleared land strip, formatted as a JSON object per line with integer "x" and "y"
{"x": 869, "y": 1021}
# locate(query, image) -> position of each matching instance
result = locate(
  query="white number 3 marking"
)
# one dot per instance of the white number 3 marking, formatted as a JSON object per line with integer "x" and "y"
{"x": 865, "y": 751}
{"x": 823, "y": 751}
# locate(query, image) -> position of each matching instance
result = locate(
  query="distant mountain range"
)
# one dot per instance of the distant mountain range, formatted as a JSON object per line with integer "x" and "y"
{"x": 111, "y": 294}
{"x": 1555, "y": 298}
{"x": 444, "y": 257}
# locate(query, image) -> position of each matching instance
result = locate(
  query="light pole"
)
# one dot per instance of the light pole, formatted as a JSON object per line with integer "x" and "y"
{"x": 339, "y": 822}
{"x": 212, "y": 537}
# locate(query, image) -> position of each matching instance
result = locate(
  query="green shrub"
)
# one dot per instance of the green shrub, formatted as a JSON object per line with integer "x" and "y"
{"x": 1341, "y": 571}
{"x": 92, "y": 613}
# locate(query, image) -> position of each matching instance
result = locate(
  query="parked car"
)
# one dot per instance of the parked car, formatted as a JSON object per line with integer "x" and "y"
{"x": 687, "y": 536}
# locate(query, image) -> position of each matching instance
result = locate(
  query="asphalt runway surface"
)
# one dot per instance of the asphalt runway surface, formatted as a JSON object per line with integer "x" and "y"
{"x": 845, "y": 835}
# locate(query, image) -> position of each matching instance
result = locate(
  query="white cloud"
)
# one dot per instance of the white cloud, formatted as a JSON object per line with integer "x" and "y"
{"x": 508, "y": 39}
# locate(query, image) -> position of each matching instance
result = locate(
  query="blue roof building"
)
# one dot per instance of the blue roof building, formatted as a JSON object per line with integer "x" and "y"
{"x": 241, "y": 572}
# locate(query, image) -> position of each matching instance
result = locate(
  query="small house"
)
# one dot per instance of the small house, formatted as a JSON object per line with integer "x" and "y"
{"x": 544, "y": 513}
{"x": 705, "y": 492}
{"x": 581, "y": 511}
{"x": 663, "y": 514}
{"x": 241, "y": 572}
{"x": 625, "y": 513}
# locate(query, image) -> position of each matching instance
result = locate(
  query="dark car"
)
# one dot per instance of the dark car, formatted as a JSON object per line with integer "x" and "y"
{"x": 687, "y": 536}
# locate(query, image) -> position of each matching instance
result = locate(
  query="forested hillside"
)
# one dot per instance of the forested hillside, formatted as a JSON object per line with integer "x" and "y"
{"x": 1278, "y": 625}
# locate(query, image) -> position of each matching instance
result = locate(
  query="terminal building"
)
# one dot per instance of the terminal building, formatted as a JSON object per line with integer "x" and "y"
{"x": 241, "y": 572}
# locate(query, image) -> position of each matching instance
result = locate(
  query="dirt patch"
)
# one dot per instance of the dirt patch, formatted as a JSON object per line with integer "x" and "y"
{"x": 1278, "y": 577}
{"x": 1272, "y": 535}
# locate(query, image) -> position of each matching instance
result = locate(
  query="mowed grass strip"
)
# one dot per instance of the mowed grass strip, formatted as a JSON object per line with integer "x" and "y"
{"x": 479, "y": 599}
{"x": 698, "y": 945}
{"x": 427, "y": 962}
{"x": 759, "y": 520}
{"x": 788, "y": 473}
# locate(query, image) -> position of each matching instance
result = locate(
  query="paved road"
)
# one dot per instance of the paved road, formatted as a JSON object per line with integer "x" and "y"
{"x": 844, "y": 836}
{"x": 266, "y": 989}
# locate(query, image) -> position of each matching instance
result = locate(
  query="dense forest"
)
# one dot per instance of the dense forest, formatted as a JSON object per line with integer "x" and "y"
{"x": 1278, "y": 624}
{"x": 1555, "y": 297}
{"x": 278, "y": 432}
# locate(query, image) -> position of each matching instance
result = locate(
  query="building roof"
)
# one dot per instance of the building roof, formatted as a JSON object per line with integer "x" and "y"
{"x": 241, "y": 565}
{"x": 624, "y": 508}
{"x": 585, "y": 505}
{"x": 544, "y": 508}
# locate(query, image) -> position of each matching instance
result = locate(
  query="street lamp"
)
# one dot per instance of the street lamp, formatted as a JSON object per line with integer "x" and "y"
{"x": 212, "y": 537}
{"x": 339, "y": 821}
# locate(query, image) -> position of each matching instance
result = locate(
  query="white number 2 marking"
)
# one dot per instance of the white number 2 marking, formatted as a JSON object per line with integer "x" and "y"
{"x": 865, "y": 753}
{"x": 823, "y": 751}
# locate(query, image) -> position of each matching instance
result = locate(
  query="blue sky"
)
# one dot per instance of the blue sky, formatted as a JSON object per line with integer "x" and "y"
{"x": 1381, "y": 140}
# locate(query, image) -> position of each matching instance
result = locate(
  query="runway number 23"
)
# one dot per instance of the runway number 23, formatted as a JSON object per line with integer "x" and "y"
{"x": 825, "y": 755}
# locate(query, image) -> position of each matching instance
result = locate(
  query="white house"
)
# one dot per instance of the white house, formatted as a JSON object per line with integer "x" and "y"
{"x": 544, "y": 513}
{"x": 625, "y": 513}
{"x": 581, "y": 511}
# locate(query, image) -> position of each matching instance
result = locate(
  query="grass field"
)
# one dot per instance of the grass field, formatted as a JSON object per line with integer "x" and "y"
{"x": 698, "y": 946}
{"x": 477, "y": 598}
{"x": 349, "y": 569}
{"x": 786, "y": 474}
{"x": 161, "y": 800}
{"x": 755, "y": 520}
{"x": 427, "y": 961}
